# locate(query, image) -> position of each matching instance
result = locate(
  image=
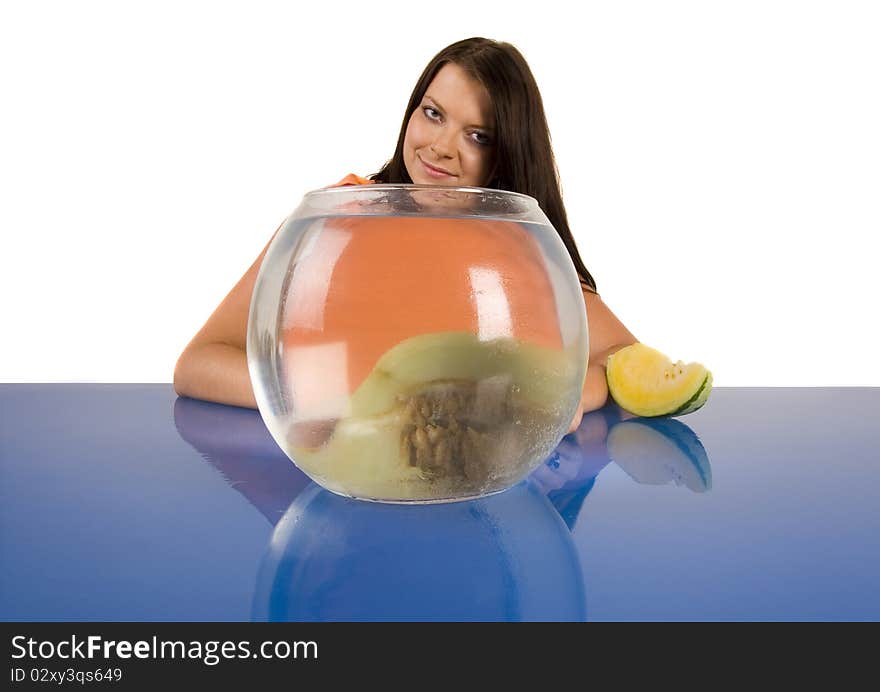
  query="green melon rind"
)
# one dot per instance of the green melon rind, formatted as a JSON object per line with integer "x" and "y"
{"x": 698, "y": 399}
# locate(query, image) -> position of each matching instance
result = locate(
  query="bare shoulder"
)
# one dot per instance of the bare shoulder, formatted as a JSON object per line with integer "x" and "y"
{"x": 228, "y": 323}
{"x": 606, "y": 329}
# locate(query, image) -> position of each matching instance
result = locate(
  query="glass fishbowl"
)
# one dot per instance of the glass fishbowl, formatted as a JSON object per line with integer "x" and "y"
{"x": 417, "y": 343}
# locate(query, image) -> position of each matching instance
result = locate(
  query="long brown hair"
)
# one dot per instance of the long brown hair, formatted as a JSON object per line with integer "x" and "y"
{"x": 523, "y": 151}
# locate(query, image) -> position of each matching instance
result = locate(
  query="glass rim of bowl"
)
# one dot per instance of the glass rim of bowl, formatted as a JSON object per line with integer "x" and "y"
{"x": 409, "y": 186}
{"x": 506, "y": 203}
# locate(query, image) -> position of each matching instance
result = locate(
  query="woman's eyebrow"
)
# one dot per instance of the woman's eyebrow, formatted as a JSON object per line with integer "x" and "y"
{"x": 436, "y": 103}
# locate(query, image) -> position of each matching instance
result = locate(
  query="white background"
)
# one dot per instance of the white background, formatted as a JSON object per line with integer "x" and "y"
{"x": 720, "y": 163}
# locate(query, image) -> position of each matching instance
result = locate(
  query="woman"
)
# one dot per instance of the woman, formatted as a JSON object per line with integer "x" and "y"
{"x": 475, "y": 118}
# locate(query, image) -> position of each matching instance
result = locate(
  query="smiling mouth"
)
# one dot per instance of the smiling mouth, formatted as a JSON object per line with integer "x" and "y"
{"x": 435, "y": 171}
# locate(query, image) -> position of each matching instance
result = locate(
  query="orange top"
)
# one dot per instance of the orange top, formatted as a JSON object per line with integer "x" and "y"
{"x": 365, "y": 283}
{"x": 353, "y": 179}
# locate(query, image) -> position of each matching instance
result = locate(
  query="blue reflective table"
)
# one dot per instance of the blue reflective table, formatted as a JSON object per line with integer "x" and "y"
{"x": 125, "y": 502}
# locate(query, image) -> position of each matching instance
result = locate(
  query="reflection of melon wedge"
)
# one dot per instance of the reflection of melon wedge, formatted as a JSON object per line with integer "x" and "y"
{"x": 446, "y": 414}
{"x": 657, "y": 451}
{"x": 647, "y": 383}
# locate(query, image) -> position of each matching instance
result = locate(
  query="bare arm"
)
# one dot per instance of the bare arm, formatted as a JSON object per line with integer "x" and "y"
{"x": 213, "y": 366}
{"x": 607, "y": 336}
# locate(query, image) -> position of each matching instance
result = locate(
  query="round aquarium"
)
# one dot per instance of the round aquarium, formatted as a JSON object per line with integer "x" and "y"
{"x": 414, "y": 343}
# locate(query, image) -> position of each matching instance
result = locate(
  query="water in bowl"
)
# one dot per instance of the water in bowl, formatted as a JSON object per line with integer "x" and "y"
{"x": 395, "y": 369}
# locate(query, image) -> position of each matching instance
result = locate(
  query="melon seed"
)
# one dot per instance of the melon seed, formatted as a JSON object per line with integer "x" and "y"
{"x": 450, "y": 427}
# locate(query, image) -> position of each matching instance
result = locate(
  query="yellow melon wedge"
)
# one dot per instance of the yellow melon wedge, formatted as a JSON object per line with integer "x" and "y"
{"x": 647, "y": 383}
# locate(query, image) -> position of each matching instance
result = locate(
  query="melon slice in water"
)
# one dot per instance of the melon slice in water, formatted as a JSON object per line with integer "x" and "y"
{"x": 446, "y": 415}
{"x": 539, "y": 374}
{"x": 647, "y": 383}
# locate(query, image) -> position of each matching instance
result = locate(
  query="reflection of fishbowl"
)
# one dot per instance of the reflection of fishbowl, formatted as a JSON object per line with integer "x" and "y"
{"x": 503, "y": 558}
{"x": 417, "y": 343}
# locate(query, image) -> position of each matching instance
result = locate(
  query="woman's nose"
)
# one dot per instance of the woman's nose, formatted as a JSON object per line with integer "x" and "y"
{"x": 442, "y": 145}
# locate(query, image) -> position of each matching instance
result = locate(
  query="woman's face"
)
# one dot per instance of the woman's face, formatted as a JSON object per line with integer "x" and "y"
{"x": 452, "y": 129}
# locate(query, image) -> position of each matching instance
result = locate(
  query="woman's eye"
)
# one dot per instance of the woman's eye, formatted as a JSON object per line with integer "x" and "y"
{"x": 428, "y": 108}
{"x": 482, "y": 139}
